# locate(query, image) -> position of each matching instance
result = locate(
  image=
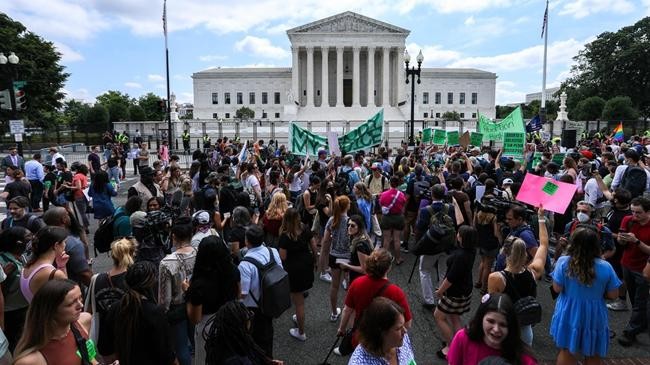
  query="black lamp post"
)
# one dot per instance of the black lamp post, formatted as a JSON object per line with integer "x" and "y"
{"x": 412, "y": 72}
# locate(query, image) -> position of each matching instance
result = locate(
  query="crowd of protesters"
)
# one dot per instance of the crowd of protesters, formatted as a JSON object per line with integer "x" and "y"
{"x": 188, "y": 245}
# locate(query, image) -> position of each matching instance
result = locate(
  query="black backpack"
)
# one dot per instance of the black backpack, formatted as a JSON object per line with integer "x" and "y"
{"x": 104, "y": 234}
{"x": 421, "y": 187}
{"x": 105, "y": 298}
{"x": 634, "y": 180}
{"x": 342, "y": 182}
{"x": 274, "y": 287}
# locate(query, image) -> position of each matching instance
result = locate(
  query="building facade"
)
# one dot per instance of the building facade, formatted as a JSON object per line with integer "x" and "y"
{"x": 550, "y": 95}
{"x": 344, "y": 67}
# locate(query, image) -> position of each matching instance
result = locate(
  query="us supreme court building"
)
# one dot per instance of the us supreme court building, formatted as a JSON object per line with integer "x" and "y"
{"x": 344, "y": 68}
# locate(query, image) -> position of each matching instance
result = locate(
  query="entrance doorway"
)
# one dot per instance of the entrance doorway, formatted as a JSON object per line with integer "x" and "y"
{"x": 347, "y": 92}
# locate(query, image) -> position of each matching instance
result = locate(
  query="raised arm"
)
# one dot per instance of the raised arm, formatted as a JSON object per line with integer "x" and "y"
{"x": 537, "y": 265}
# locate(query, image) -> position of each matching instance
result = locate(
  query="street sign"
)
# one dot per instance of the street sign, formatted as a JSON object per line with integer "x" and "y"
{"x": 18, "y": 137}
{"x": 17, "y": 126}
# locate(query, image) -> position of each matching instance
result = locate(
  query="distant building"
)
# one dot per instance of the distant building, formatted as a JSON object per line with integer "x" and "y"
{"x": 184, "y": 109}
{"x": 538, "y": 96}
{"x": 345, "y": 67}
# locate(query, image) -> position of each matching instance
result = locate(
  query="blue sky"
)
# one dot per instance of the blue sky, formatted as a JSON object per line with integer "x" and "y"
{"x": 119, "y": 44}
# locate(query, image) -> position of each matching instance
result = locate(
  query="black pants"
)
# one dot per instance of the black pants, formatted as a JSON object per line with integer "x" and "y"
{"x": 262, "y": 331}
{"x": 136, "y": 164}
{"x": 36, "y": 195}
{"x": 14, "y": 323}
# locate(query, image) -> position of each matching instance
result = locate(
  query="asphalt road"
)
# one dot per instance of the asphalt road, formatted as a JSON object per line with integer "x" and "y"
{"x": 424, "y": 334}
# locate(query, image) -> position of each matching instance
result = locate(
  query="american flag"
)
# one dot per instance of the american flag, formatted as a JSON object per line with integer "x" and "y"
{"x": 545, "y": 23}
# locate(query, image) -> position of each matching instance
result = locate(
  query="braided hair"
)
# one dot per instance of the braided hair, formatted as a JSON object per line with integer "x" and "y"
{"x": 229, "y": 336}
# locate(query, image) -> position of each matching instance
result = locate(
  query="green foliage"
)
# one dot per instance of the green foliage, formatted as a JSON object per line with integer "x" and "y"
{"x": 96, "y": 119}
{"x": 619, "y": 108}
{"x": 118, "y": 105}
{"x": 451, "y": 115}
{"x": 38, "y": 65}
{"x": 503, "y": 111}
{"x": 136, "y": 113}
{"x": 150, "y": 103}
{"x": 614, "y": 64}
{"x": 74, "y": 113}
{"x": 590, "y": 108}
{"x": 245, "y": 113}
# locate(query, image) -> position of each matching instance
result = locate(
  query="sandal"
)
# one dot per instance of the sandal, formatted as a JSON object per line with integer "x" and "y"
{"x": 399, "y": 262}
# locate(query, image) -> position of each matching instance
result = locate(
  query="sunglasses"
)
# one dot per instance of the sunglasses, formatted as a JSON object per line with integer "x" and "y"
{"x": 352, "y": 225}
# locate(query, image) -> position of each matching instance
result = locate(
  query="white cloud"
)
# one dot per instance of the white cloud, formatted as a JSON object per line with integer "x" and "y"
{"x": 434, "y": 55}
{"x": 507, "y": 93}
{"x": 181, "y": 77}
{"x": 78, "y": 94}
{"x": 185, "y": 97}
{"x": 155, "y": 78}
{"x": 260, "y": 47}
{"x": 453, "y": 6}
{"x": 583, "y": 8}
{"x": 646, "y": 4}
{"x": 67, "y": 53}
{"x": 470, "y": 20}
{"x": 522, "y": 19}
{"x": 133, "y": 85}
{"x": 560, "y": 53}
{"x": 212, "y": 58}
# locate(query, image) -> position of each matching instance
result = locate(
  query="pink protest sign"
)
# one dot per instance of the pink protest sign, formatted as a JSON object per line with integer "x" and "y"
{"x": 553, "y": 195}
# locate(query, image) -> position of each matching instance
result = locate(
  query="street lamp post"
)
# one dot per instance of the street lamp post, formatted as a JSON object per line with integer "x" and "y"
{"x": 13, "y": 60}
{"x": 412, "y": 72}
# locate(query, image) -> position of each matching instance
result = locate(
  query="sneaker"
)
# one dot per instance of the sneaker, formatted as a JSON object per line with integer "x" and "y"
{"x": 335, "y": 316}
{"x": 618, "y": 305}
{"x": 294, "y": 318}
{"x": 337, "y": 352}
{"x": 295, "y": 333}
{"x": 326, "y": 277}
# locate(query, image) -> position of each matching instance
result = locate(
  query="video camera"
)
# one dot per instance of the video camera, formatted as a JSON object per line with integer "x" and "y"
{"x": 500, "y": 206}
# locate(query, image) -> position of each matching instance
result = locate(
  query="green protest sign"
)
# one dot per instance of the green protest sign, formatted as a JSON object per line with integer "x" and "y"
{"x": 513, "y": 144}
{"x": 558, "y": 158}
{"x": 476, "y": 139}
{"x": 367, "y": 135}
{"x": 452, "y": 138}
{"x": 550, "y": 188}
{"x": 427, "y": 136}
{"x": 537, "y": 158}
{"x": 303, "y": 142}
{"x": 493, "y": 131}
{"x": 439, "y": 136}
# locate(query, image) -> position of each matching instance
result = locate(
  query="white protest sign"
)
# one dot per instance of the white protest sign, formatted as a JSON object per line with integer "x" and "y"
{"x": 333, "y": 142}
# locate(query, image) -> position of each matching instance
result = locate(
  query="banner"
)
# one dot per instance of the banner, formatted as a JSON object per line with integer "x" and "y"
{"x": 439, "y": 136}
{"x": 452, "y": 138}
{"x": 303, "y": 142}
{"x": 513, "y": 145}
{"x": 427, "y": 135}
{"x": 476, "y": 139}
{"x": 492, "y": 131}
{"x": 367, "y": 135}
{"x": 554, "y": 195}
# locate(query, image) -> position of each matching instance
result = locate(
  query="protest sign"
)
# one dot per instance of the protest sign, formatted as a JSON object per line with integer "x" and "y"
{"x": 558, "y": 158}
{"x": 452, "y": 138}
{"x": 513, "y": 144}
{"x": 464, "y": 139}
{"x": 476, "y": 139}
{"x": 537, "y": 158}
{"x": 427, "y": 135}
{"x": 367, "y": 135}
{"x": 303, "y": 142}
{"x": 555, "y": 196}
{"x": 439, "y": 136}
{"x": 333, "y": 142}
{"x": 493, "y": 131}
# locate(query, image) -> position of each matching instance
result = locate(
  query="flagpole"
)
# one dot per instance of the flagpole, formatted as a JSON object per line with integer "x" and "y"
{"x": 170, "y": 135}
{"x": 542, "y": 109}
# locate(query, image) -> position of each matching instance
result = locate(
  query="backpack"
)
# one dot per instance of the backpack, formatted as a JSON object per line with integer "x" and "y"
{"x": 441, "y": 235}
{"x": 384, "y": 179}
{"x": 342, "y": 182}
{"x": 300, "y": 203}
{"x": 104, "y": 234}
{"x": 598, "y": 227}
{"x": 106, "y": 297}
{"x": 634, "y": 180}
{"x": 274, "y": 287}
{"x": 421, "y": 188}
{"x": 8, "y": 222}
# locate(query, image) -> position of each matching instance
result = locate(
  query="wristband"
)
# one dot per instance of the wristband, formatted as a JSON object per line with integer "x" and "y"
{"x": 541, "y": 220}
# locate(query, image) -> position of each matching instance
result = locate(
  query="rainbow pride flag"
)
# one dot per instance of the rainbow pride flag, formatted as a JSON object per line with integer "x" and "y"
{"x": 618, "y": 133}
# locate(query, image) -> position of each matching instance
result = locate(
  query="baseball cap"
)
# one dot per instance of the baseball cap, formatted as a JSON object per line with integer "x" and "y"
{"x": 507, "y": 181}
{"x": 375, "y": 166}
{"x": 201, "y": 218}
{"x": 138, "y": 219}
{"x": 588, "y": 154}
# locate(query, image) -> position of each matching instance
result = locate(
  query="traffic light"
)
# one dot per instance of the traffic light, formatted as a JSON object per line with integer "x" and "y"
{"x": 19, "y": 95}
{"x": 5, "y": 99}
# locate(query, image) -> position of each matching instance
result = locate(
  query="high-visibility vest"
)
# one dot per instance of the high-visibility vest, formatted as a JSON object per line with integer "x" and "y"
{"x": 186, "y": 136}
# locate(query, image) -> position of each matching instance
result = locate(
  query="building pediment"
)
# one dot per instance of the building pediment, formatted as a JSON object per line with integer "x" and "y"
{"x": 348, "y": 22}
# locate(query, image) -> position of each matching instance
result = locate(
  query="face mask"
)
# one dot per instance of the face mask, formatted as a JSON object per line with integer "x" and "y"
{"x": 582, "y": 217}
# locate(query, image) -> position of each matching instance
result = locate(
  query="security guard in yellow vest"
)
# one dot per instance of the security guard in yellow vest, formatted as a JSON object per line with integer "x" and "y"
{"x": 207, "y": 141}
{"x": 186, "y": 141}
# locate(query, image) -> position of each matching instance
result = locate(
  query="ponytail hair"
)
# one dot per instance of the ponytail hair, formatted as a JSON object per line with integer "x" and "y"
{"x": 340, "y": 206}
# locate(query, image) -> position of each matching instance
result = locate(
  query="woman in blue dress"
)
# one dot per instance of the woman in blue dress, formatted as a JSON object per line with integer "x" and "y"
{"x": 583, "y": 281}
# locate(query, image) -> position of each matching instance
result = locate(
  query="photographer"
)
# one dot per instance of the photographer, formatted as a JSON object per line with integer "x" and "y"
{"x": 516, "y": 219}
{"x": 430, "y": 262}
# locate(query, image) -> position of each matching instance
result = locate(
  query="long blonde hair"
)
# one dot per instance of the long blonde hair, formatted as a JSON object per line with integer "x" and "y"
{"x": 277, "y": 207}
{"x": 363, "y": 191}
{"x": 516, "y": 253}
{"x": 122, "y": 252}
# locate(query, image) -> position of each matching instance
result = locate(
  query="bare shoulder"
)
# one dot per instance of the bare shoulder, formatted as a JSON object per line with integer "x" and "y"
{"x": 85, "y": 319}
{"x": 35, "y": 358}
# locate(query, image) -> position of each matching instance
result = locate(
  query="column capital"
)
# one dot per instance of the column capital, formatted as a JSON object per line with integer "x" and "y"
{"x": 385, "y": 49}
{"x": 372, "y": 48}
{"x": 356, "y": 48}
{"x": 310, "y": 49}
{"x": 295, "y": 48}
{"x": 339, "y": 48}
{"x": 325, "y": 47}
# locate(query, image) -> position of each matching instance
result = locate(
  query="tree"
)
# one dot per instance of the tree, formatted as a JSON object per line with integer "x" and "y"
{"x": 38, "y": 66}
{"x": 616, "y": 64}
{"x": 150, "y": 102}
{"x": 451, "y": 115}
{"x": 74, "y": 113}
{"x": 245, "y": 113}
{"x": 503, "y": 111}
{"x": 118, "y": 105}
{"x": 96, "y": 119}
{"x": 590, "y": 108}
{"x": 136, "y": 113}
{"x": 619, "y": 108}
